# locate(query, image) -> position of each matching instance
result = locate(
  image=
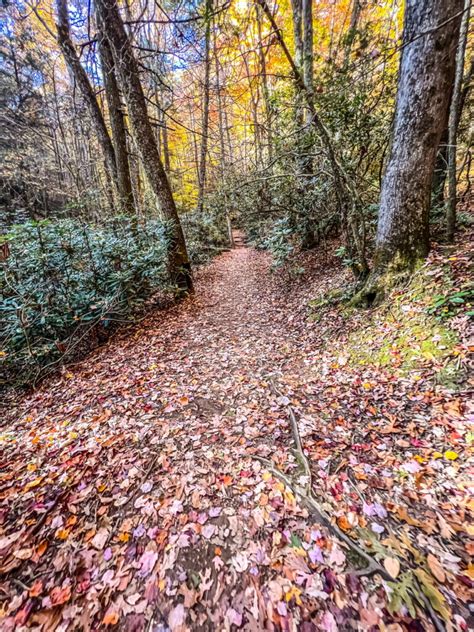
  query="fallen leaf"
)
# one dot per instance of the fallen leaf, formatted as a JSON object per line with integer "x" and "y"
{"x": 392, "y": 566}
{"x": 436, "y": 568}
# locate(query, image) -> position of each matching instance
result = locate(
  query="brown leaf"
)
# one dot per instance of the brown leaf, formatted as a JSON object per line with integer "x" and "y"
{"x": 436, "y": 568}
{"x": 392, "y": 566}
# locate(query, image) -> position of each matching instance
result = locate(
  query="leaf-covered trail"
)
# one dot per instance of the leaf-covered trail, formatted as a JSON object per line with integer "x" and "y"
{"x": 140, "y": 463}
{"x": 132, "y": 496}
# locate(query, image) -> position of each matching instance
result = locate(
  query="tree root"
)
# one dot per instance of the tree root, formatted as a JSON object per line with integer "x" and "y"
{"x": 320, "y": 515}
{"x": 306, "y": 497}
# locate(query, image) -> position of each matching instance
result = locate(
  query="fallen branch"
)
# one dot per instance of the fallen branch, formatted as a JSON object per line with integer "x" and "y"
{"x": 306, "y": 497}
{"x": 320, "y": 515}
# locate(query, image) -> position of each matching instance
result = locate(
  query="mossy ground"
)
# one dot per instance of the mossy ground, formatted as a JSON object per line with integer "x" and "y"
{"x": 413, "y": 328}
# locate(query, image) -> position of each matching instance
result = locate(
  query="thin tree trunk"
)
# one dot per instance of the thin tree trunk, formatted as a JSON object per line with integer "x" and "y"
{"x": 127, "y": 69}
{"x": 308, "y": 69}
{"x": 439, "y": 174}
{"x": 119, "y": 131}
{"x": 308, "y": 57}
{"x": 351, "y": 33}
{"x": 454, "y": 117}
{"x": 425, "y": 84}
{"x": 297, "y": 14}
{"x": 347, "y": 199}
{"x": 87, "y": 91}
{"x": 265, "y": 89}
{"x": 205, "y": 109}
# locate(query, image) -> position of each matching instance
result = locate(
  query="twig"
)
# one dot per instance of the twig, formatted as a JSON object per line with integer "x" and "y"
{"x": 438, "y": 624}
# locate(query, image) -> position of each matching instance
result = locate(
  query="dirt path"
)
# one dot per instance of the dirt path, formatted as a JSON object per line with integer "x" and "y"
{"x": 132, "y": 497}
{"x": 131, "y": 484}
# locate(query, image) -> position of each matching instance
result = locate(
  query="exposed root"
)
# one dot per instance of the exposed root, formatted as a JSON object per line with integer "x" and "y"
{"x": 306, "y": 497}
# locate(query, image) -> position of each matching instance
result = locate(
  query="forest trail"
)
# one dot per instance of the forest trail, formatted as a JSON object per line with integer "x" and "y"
{"x": 133, "y": 496}
{"x": 139, "y": 465}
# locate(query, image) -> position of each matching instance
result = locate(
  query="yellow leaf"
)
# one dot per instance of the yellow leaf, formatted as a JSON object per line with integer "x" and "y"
{"x": 111, "y": 618}
{"x": 34, "y": 483}
{"x": 450, "y": 455}
{"x": 124, "y": 537}
{"x": 62, "y": 534}
{"x": 31, "y": 467}
{"x": 266, "y": 476}
{"x": 436, "y": 598}
{"x": 295, "y": 593}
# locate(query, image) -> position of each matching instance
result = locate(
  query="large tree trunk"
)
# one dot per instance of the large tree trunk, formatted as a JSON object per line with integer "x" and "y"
{"x": 127, "y": 69}
{"x": 82, "y": 80}
{"x": 119, "y": 130}
{"x": 454, "y": 117}
{"x": 425, "y": 83}
{"x": 205, "y": 109}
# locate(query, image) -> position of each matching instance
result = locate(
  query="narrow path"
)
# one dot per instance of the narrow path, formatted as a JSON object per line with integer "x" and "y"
{"x": 133, "y": 497}
{"x": 131, "y": 485}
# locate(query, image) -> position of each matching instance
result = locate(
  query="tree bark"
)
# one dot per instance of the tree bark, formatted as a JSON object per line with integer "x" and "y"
{"x": 265, "y": 90}
{"x": 454, "y": 117}
{"x": 425, "y": 83}
{"x": 308, "y": 56}
{"x": 351, "y": 33}
{"x": 127, "y": 69}
{"x": 119, "y": 130}
{"x": 72, "y": 60}
{"x": 205, "y": 108}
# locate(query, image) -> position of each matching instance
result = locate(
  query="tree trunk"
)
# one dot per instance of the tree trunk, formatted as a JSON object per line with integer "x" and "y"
{"x": 308, "y": 56}
{"x": 439, "y": 174}
{"x": 424, "y": 87}
{"x": 119, "y": 131}
{"x": 297, "y": 11}
{"x": 205, "y": 109}
{"x": 348, "y": 201}
{"x": 454, "y": 117}
{"x": 72, "y": 60}
{"x": 127, "y": 69}
{"x": 351, "y": 33}
{"x": 265, "y": 90}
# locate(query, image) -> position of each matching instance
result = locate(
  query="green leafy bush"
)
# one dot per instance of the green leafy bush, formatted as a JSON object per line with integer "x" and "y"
{"x": 206, "y": 233}
{"x": 63, "y": 278}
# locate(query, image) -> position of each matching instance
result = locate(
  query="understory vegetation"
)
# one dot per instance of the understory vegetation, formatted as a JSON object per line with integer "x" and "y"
{"x": 67, "y": 284}
{"x": 121, "y": 171}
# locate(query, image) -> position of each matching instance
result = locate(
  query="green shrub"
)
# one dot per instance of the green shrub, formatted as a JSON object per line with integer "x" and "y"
{"x": 64, "y": 277}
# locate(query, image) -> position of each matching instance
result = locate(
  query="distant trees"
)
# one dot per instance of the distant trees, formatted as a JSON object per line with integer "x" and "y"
{"x": 279, "y": 116}
{"x": 83, "y": 82}
{"x": 425, "y": 86}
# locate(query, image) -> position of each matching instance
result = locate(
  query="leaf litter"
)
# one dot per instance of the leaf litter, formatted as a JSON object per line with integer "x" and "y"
{"x": 226, "y": 466}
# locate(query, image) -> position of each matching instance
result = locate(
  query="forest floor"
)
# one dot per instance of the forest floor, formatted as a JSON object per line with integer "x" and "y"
{"x": 142, "y": 488}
